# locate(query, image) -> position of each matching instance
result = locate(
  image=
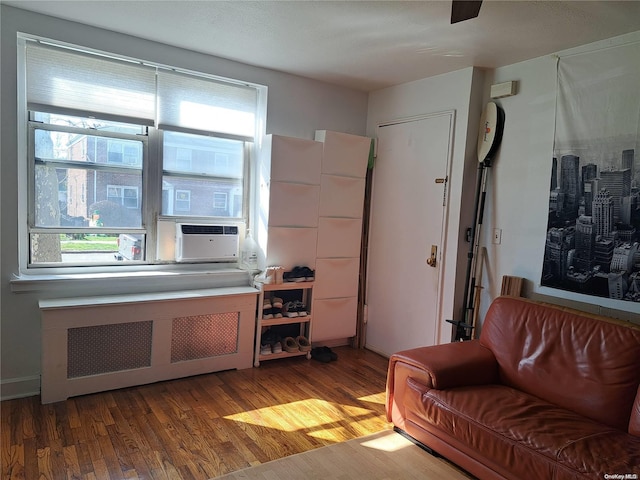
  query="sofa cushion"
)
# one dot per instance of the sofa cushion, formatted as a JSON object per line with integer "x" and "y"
{"x": 529, "y": 437}
{"x": 541, "y": 348}
{"x": 613, "y": 453}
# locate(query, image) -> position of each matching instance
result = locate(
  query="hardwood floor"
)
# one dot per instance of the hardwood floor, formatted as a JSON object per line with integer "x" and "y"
{"x": 199, "y": 427}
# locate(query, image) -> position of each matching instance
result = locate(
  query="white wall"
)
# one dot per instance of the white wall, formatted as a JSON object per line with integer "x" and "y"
{"x": 297, "y": 107}
{"x": 518, "y": 185}
{"x": 454, "y": 91}
{"x": 518, "y": 195}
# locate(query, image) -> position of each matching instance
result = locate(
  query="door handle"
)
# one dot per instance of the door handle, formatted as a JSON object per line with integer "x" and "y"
{"x": 431, "y": 261}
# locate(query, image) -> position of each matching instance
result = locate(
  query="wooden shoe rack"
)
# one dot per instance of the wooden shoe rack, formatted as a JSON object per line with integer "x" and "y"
{"x": 288, "y": 290}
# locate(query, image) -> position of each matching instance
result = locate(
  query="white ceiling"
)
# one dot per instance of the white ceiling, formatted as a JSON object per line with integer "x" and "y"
{"x": 365, "y": 45}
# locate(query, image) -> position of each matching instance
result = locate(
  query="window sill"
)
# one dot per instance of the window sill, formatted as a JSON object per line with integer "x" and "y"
{"x": 139, "y": 281}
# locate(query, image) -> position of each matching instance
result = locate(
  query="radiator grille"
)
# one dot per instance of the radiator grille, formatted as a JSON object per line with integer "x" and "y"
{"x": 203, "y": 336}
{"x": 108, "y": 348}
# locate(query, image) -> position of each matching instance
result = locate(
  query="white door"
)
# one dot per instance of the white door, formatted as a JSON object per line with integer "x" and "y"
{"x": 407, "y": 221}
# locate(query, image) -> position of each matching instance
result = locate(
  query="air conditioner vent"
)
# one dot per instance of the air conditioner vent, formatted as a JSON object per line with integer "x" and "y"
{"x": 209, "y": 229}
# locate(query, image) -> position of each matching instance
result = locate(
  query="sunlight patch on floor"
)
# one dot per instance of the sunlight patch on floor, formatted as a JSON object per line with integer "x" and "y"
{"x": 300, "y": 414}
{"x": 391, "y": 442}
{"x": 378, "y": 398}
{"x": 338, "y": 434}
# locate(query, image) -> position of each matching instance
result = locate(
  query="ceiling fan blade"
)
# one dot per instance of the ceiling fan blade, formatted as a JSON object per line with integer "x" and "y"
{"x": 464, "y": 10}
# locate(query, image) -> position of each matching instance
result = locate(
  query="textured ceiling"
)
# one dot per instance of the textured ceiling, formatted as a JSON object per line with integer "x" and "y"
{"x": 360, "y": 44}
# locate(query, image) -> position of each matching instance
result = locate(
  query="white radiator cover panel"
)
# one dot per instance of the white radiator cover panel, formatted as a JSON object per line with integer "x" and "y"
{"x": 94, "y": 344}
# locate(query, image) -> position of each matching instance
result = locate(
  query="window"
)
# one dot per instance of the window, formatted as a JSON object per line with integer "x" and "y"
{"x": 113, "y": 143}
{"x": 119, "y": 151}
{"x": 126, "y": 196}
{"x": 183, "y": 200}
{"x": 220, "y": 201}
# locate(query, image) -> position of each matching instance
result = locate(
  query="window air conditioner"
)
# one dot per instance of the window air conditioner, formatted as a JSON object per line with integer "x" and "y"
{"x": 206, "y": 243}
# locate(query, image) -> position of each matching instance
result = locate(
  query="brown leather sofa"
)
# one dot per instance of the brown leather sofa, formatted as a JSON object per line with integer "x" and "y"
{"x": 546, "y": 393}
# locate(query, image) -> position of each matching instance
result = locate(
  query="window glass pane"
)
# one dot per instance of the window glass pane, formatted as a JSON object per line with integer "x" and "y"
{"x": 80, "y": 197}
{"x": 85, "y": 249}
{"x": 198, "y": 154}
{"x": 84, "y": 122}
{"x": 202, "y": 197}
{"x": 87, "y": 148}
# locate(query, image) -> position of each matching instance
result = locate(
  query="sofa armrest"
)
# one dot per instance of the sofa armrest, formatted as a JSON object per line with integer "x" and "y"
{"x": 440, "y": 366}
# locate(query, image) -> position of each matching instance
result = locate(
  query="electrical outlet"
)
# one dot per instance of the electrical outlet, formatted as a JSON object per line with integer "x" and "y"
{"x": 497, "y": 236}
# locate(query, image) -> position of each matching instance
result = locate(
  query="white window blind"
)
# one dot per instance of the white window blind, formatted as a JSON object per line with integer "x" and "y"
{"x": 89, "y": 84}
{"x": 199, "y": 104}
{"x": 95, "y": 85}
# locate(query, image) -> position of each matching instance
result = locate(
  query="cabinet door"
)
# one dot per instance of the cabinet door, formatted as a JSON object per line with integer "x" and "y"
{"x": 334, "y": 318}
{"x": 339, "y": 237}
{"x": 295, "y": 160}
{"x": 341, "y": 196}
{"x": 336, "y": 277}
{"x": 344, "y": 154}
{"x": 289, "y": 247}
{"x": 293, "y": 205}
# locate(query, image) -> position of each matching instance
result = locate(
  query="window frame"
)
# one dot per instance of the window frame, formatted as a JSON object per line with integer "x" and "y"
{"x": 150, "y": 197}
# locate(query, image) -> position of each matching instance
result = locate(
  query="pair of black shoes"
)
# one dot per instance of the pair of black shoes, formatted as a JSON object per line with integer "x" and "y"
{"x": 299, "y": 274}
{"x": 323, "y": 354}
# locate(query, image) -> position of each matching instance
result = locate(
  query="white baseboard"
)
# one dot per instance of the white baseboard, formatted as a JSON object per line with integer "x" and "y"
{"x": 21, "y": 387}
{"x": 377, "y": 350}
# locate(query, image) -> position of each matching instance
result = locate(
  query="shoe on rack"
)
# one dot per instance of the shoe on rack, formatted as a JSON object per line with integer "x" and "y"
{"x": 277, "y": 312}
{"x": 266, "y": 303}
{"x": 267, "y": 314}
{"x": 276, "y": 347}
{"x": 276, "y": 302}
{"x": 303, "y": 343}
{"x": 265, "y": 349}
{"x": 270, "y": 275}
{"x": 295, "y": 275}
{"x": 300, "y": 308}
{"x": 289, "y": 310}
{"x": 307, "y": 274}
{"x": 279, "y": 274}
{"x": 268, "y": 337}
{"x": 290, "y": 345}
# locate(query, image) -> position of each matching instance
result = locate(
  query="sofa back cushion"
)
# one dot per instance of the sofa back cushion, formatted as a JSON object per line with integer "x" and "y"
{"x": 582, "y": 362}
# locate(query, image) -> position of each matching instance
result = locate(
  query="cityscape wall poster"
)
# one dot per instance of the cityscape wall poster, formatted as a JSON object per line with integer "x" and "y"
{"x": 593, "y": 232}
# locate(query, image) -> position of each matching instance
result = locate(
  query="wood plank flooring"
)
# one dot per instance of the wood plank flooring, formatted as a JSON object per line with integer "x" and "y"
{"x": 199, "y": 427}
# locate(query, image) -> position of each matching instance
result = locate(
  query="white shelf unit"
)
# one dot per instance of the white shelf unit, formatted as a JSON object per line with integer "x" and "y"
{"x": 285, "y": 289}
